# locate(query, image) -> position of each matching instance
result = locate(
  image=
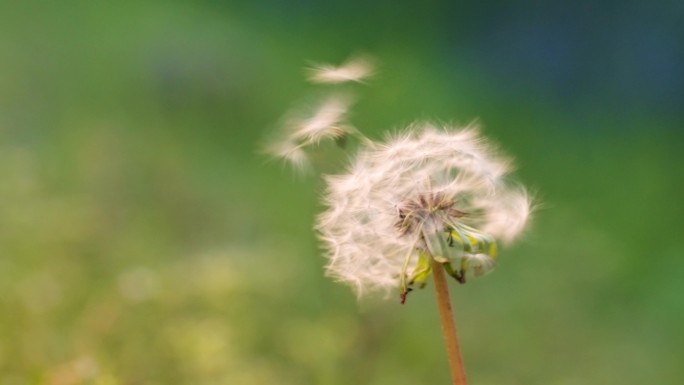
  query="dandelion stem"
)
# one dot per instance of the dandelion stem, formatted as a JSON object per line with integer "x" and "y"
{"x": 446, "y": 317}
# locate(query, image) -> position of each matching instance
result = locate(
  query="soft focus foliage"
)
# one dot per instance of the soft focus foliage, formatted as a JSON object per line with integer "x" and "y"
{"x": 144, "y": 241}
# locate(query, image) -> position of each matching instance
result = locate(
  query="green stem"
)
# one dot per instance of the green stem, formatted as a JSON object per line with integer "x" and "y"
{"x": 446, "y": 317}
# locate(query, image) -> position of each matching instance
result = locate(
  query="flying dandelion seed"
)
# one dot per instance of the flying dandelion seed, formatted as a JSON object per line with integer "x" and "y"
{"x": 327, "y": 121}
{"x": 354, "y": 70}
{"x": 290, "y": 152}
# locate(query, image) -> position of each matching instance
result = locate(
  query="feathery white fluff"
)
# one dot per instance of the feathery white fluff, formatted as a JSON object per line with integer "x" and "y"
{"x": 408, "y": 195}
{"x": 354, "y": 70}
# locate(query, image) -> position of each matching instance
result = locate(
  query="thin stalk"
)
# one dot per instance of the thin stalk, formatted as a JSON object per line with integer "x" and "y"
{"x": 446, "y": 317}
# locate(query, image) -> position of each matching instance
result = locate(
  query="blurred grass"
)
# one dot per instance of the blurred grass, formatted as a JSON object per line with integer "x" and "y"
{"x": 145, "y": 241}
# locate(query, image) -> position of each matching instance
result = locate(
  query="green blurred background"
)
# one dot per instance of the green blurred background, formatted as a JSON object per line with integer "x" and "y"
{"x": 143, "y": 239}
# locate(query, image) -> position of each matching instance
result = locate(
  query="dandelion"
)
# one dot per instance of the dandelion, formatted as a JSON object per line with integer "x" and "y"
{"x": 427, "y": 202}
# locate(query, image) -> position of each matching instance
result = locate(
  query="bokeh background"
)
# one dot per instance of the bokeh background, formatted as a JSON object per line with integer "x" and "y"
{"x": 144, "y": 240}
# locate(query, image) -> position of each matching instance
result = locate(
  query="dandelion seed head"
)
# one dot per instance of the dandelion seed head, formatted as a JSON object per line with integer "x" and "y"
{"x": 419, "y": 191}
